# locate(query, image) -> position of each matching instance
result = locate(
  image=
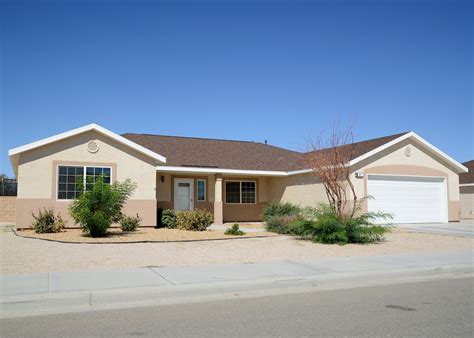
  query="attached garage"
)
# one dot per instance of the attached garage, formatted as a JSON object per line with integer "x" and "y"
{"x": 409, "y": 199}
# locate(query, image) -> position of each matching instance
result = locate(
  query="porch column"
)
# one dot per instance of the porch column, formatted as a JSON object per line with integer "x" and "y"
{"x": 218, "y": 205}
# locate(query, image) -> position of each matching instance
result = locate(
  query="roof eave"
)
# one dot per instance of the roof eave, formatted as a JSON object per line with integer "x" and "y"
{"x": 83, "y": 129}
{"x": 455, "y": 164}
{"x": 228, "y": 171}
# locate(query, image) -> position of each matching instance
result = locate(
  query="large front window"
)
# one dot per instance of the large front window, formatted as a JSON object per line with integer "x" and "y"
{"x": 71, "y": 180}
{"x": 244, "y": 192}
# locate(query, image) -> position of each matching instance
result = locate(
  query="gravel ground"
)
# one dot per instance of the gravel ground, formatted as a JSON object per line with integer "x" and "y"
{"x": 26, "y": 255}
{"x": 141, "y": 235}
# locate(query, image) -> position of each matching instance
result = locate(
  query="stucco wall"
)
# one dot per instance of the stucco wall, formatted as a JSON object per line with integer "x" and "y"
{"x": 37, "y": 175}
{"x": 7, "y": 208}
{"x": 306, "y": 190}
{"x": 467, "y": 202}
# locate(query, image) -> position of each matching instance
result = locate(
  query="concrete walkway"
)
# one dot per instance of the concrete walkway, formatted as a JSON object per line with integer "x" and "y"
{"x": 461, "y": 229}
{"x": 54, "y": 292}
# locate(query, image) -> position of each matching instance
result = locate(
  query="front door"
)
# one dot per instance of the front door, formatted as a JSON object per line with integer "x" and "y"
{"x": 183, "y": 194}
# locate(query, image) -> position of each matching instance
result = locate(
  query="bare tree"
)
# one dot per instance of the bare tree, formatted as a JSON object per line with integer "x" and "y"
{"x": 329, "y": 160}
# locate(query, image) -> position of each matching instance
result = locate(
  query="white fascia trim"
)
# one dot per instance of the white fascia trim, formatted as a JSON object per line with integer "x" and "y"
{"x": 456, "y": 164}
{"x": 467, "y": 185}
{"x": 221, "y": 171}
{"x": 299, "y": 172}
{"x": 84, "y": 129}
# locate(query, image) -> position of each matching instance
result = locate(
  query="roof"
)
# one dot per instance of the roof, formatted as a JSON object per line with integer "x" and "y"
{"x": 357, "y": 149}
{"x": 177, "y": 153}
{"x": 214, "y": 153}
{"x": 467, "y": 178}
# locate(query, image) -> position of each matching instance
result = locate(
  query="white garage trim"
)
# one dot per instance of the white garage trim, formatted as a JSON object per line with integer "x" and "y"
{"x": 409, "y": 198}
{"x": 459, "y": 167}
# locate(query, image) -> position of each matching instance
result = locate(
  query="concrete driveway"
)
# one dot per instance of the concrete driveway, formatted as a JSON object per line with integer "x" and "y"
{"x": 461, "y": 229}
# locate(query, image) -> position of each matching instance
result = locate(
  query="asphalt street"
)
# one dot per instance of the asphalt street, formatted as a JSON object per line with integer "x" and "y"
{"x": 435, "y": 308}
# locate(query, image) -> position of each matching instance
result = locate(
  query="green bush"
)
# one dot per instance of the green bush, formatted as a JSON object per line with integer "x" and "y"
{"x": 234, "y": 230}
{"x": 96, "y": 209}
{"x": 275, "y": 209}
{"x": 329, "y": 229}
{"x": 168, "y": 219}
{"x": 47, "y": 222}
{"x": 196, "y": 220}
{"x": 130, "y": 223}
{"x": 279, "y": 224}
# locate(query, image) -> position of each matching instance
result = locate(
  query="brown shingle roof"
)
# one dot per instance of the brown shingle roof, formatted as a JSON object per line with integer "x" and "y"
{"x": 224, "y": 154}
{"x": 227, "y": 154}
{"x": 468, "y": 177}
{"x": 360, "y": 148}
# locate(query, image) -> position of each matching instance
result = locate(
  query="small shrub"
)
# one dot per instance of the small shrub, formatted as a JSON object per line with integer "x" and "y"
{"x": 274, "y": 209}
{"x": 96, "y": 209}
{"x": 234, "y": 230}
{"x": 130, "y": 223}
{"x": 279, "y": 224}
{"x": 47, "y": 222}
{"x": 329, "y": 229}
{"x": 168, "y": 219}
{"x": 197, "y": 220}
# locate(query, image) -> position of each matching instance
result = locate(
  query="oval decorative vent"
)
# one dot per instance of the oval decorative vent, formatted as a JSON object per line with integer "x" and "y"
{"x": 407, "y": 151}
{"x": 92, "y": 147}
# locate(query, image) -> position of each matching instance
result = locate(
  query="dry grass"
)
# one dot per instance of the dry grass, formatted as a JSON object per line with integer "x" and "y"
{"x": 141, "y": 235}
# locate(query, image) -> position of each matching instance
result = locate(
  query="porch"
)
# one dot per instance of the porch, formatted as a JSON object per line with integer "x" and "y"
{"x": 230, "y": 197}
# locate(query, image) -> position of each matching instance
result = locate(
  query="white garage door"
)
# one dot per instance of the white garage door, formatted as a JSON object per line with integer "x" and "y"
{"x": 408, "y": 199}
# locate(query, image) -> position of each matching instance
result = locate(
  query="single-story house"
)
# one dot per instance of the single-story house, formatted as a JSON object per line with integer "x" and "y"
{"x": 406, "y": 175}
{"x": 466, "y": 191}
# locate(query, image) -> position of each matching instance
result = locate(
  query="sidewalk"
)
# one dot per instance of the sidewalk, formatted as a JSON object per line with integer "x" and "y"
{"x": 54, "y": 292}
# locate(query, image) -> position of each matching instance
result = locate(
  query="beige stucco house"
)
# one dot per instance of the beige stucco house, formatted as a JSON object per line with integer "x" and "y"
{"x": 406, "y": 175}
{"x": 466, "y": 191}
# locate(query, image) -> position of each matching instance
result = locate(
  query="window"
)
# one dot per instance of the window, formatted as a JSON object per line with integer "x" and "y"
{"x": 71, "y": 179}
{"x": 92, "y": 173}
{"x": 69, "y": 182}
{"x": 244, "y": 192}
{"x": 201, "y": 190}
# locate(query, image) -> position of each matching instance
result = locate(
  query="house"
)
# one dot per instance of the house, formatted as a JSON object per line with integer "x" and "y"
{"x": 466, "y": 191}
{"x": 406, "y": 175}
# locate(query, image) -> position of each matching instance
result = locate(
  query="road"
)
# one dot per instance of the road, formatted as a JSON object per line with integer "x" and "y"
{"x": 434, "y": 308}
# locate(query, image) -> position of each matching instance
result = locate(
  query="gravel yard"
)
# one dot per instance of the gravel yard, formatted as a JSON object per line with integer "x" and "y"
{"x": 26, "y": 255}
{"x": 141, "y": 235}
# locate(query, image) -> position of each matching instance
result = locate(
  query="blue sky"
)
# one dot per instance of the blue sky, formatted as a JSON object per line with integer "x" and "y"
{"x": 250, "y": 70}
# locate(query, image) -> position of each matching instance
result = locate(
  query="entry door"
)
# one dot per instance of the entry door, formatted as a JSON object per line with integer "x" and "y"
{"x": 183, "y": 194}
{"x": 409, "y": 199}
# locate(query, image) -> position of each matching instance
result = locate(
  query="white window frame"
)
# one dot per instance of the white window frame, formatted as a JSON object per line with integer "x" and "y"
{"x": 84, "y": 168}
{"x": 240, "y": 191}
{"x": 197, "y": 190}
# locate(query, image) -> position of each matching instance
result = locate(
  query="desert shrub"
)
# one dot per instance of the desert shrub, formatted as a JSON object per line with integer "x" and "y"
{"x": 130, "y": 223}
{"x": 279, "y": 224}
{"x": 276, "y": 209}
{"x": 96, "y": 209}
{"x": 47, "y": 222}
{"x": 168, "y": 219}
{"x": 310, "y": 213}
{"x": 196, "y": 220}
{"x": 329, "y": 229}
{"x": 234, "y": 230}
